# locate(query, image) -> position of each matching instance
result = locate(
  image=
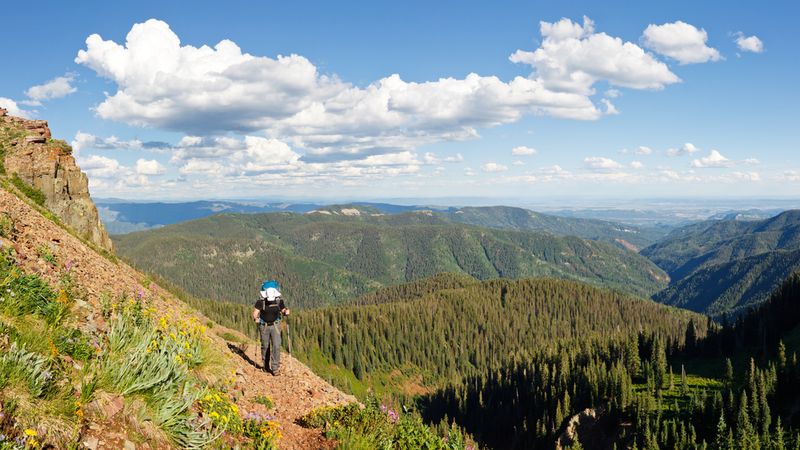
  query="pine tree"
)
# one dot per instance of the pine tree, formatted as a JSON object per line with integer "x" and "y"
{"x": 728, "y": 373}
{"x": 777, "y": 441}
{"x": 684, "y": 383}
{"x": 781, "y": 356}
{"x": 722, "y": 433}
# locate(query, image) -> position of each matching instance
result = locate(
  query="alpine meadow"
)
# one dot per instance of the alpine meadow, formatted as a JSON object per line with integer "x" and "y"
{"x": 399, "y": 226}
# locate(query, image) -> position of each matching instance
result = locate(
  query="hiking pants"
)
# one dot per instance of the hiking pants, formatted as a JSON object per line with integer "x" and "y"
{"x": 271, "y": 346}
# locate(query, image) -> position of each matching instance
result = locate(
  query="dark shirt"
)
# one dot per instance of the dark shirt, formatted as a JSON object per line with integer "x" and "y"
{"x": 270, "y": 311}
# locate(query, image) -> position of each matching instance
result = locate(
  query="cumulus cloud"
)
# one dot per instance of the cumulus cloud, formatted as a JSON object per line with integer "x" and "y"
{"x": 636, "y": 165}
{"x": 13, "y": 108}
{"x": 749, "y": 43}
{"x": 680, "y": 41}
{"x": 572, "y": 58}
{"x": 745, "y": 176}
{"x": 492, "y": 167}
{"x": 642, "y": 150}
{"x": 715, "y": 159}
{"x": 100, "y": 166}
{"x": 685, "y": 149}
{"x": 206, "y": 90}
{"x": 523, "y": 151}
{"x": 56, "y": 88}
{"x": 149, "y": 167}
{"x": 601, "y": 164}
{"x": 433, "y": 158}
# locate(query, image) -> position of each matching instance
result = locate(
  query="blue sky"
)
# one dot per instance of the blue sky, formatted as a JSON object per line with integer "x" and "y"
{"x": 366, "y": 100}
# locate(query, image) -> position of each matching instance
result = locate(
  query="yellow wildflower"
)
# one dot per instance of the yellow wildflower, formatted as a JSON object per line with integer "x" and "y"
{"x": 30, "y": 433}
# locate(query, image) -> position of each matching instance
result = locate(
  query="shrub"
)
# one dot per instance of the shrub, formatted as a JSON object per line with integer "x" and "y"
{"x": 219, "y": 408}
{"x": 264, "y": 431}
{"x": 380, "y": 427}
{"x": 264, "y": 400}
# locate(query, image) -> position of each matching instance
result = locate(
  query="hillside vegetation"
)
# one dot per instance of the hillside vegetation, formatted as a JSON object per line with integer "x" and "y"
{"x": 724, "y": 267}
{"x": 325, "y": 259}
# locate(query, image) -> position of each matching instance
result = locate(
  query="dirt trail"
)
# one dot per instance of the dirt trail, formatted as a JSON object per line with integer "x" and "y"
{"x": 295, "y": 392}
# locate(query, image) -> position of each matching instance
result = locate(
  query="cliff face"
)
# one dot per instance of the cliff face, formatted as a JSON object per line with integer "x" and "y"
{"x": 49, "y": 166}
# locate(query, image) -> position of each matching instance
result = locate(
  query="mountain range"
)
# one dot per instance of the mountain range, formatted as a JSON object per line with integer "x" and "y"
{"x": 324, "y": 257}
{"x": 727, "y": 266}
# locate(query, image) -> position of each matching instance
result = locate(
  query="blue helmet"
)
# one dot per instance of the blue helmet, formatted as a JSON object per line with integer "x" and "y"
{"x": 270, "y": 284}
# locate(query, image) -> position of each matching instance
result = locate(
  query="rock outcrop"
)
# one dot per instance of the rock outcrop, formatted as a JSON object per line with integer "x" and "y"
{"x": 29, "y": 151}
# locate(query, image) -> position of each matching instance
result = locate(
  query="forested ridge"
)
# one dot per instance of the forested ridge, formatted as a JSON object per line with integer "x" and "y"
{"x": 325, "y": 260}
{"x": 512, "y": 360}
{"x": 726, "y": 266}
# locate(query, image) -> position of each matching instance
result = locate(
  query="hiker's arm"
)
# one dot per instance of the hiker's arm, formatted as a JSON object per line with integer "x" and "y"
{"x": 255, "y": 314}
{"x": 284, "y": 310}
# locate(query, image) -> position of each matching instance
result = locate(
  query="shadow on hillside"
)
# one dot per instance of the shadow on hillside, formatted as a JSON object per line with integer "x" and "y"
{"x": 242, "y": 353}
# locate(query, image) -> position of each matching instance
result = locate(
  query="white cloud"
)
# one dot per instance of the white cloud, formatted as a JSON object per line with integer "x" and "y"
{"x": 745, "y": 176}
{"x": 518, "y": 163}
{"x": 433, "y": 159}
{"x": 203, "y": 90}
{"x": 56, "y": 88}
{"x": 680, "y": 41}
{"x": 599, "y": 163}
{"x": 469, "y": 172}
{"x": 715, "y": 159}
{"x": 100, "y": 166}
{"x": 749, "y": 43}
{"x": 523, "y": 151}
{"x": 611, "y": 110}
{"x": 612, "y": 93}
{"x": 13, "y": 108}
{"x": 493, "y": 167}
{"x": 751, "y": 161}
{"x": 636, "y": 165}
{"x": 149, "y": 167}
{"x": 791, "y": 175}
{"x": 642, "y": 150}
{"x": 685, "y": 149}
{"x": 573, "y": 57}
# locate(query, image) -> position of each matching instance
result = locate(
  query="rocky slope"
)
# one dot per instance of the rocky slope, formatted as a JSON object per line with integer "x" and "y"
{"x": 114, "y": 421}
{"x": 28, "y": 150}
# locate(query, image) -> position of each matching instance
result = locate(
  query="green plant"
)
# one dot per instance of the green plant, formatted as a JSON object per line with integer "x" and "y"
{"x": 264, "y": 400}
{"x": 31, "y": 192}
{"x": 378, "y": 426}
{"x": 222, "y": 412}
{"x": 60, "y": 144}
{"x": 73, "y": 343}
{"x": 20, "y": 365}
{"x": 6, "y": 225}
{"x": 47, "y": 254}
{"x": 263, "y": 431}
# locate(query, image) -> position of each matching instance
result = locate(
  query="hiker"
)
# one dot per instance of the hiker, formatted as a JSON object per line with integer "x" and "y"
{"x": 267, "y": 314}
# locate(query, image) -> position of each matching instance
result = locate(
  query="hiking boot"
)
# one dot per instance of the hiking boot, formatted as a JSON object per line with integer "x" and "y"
{"x": 276, "y": 372}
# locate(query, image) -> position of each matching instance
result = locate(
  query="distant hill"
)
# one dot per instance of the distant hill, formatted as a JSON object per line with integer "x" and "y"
{"x": 122, "y": 217}
{"x": 506, "y": 217}
{"x": 726, "y": 266}
{"x": 325, "y": 258}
